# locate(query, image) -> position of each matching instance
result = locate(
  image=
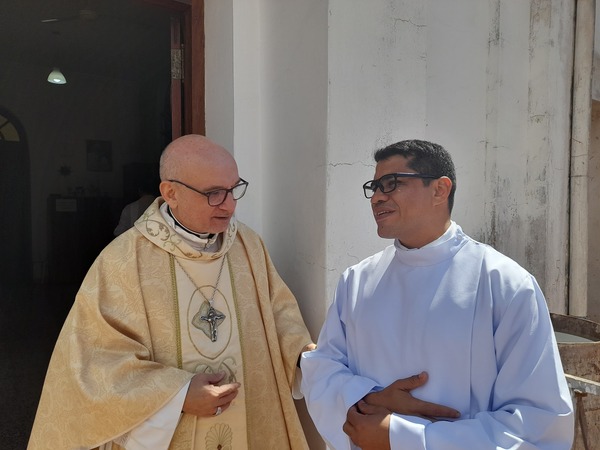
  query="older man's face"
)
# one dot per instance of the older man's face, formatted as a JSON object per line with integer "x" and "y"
{"x": 192, "y": 209}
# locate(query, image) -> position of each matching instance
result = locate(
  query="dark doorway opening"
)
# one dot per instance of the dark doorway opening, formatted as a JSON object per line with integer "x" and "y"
{"x": 116, "y": 57}
{"x": 15, "y": 223}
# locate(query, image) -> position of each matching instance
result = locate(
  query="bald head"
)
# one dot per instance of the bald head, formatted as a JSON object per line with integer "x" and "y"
{"x": 193, "y": 152}
{"x": 190, "y": 167}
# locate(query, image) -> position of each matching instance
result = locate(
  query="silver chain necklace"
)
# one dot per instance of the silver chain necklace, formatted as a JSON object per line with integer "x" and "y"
{"x": 207, "y": 319}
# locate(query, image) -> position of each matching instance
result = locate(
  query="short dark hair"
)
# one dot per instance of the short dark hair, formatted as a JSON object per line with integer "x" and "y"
{"x": 423, "y": 157}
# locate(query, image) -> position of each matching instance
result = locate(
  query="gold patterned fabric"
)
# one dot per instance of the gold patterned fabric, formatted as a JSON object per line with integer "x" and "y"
{"x": 115, "y": 361}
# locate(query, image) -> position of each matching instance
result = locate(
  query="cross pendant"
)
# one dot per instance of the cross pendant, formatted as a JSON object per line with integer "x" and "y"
{"x": 213, "y": 318}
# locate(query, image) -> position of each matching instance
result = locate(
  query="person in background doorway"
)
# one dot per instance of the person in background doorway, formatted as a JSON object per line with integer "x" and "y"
{"x": 132, "y": 211}
{"x": 435, "y": 319}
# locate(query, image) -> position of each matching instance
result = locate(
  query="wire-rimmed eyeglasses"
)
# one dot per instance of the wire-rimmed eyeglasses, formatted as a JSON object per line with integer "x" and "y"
{"x": 389, "y": 182}
{"x": 217, "y": 197}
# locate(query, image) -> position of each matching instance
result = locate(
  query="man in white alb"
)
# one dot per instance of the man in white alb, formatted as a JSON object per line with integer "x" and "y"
{"x": 435, "y": 319}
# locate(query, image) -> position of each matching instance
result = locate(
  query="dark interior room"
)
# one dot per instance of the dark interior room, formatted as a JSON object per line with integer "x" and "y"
{"x": 84, "y": 115}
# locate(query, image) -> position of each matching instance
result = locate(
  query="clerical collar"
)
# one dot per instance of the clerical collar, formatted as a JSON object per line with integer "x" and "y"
{"x": 208, "y": 236}
{"x": 441, "y": 249}
{"x": 200, "y": 241}
{"x": 448, "y": 234}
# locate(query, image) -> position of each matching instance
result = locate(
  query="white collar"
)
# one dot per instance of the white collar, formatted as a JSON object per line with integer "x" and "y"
{"x": 448, "y": 234}
{"x": 444, "y": 247}
{"x": 206, "y": 242}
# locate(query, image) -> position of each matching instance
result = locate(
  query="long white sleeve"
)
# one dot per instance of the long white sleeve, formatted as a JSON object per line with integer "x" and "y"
{"x": 329, "y": 386}
{"x": 157, "y": 431}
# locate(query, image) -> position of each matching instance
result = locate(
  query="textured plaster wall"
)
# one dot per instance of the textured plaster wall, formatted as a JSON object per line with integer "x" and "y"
{"x": 318, "y": 86}
{"x": 293, "y": 86}
{"x": 219, "y": 74}
{"x": 270, "y": 57}
{"x": 488, "y": 80}
{"x": 275, "y": 54}
{"x": 527, "y": 147}
{"x": 594, "y": 217}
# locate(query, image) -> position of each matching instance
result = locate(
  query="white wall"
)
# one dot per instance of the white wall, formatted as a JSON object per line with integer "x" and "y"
{"x": 277, "y": 130}
{"x": 279, "y": 125}
{"x": 233, "y": 67}
{"x": 312, "y": 100}
{"x": 294, "y": 126}
{"x": 318, "y": 86}
{"x": 488, "y": 80}
{"x": 248, "y": 106}
{"x": 594, "y": 217}
{"x": 593, "y": 264}
{"x": 596, "y": 70}
{"x": 218, "y": 24}
{"x": 377, "y": 74}
{"x": 315, "y": 90}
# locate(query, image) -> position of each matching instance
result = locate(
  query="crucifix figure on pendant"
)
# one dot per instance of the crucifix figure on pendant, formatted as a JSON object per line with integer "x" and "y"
{"x": 213, "y": 318}
{"x": 208, "y": 319}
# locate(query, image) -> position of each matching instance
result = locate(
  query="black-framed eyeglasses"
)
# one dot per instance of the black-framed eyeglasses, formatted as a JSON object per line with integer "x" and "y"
{"x": 389, "y": 182}
{"x": 218, "y": 196}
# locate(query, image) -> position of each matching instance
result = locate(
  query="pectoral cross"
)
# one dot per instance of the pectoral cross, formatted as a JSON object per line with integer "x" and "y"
{"x": 213, "y": 318}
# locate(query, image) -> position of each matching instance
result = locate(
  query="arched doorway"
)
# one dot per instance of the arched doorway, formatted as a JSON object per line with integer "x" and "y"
{"x": 15, "y": 221}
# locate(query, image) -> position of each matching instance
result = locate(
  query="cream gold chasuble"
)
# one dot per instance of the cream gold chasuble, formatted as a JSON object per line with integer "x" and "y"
{"x": 128, "y": 345}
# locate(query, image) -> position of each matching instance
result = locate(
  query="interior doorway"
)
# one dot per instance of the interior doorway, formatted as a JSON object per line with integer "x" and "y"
{"x": 117, "y": 57}
{"x": 15, "y": 223}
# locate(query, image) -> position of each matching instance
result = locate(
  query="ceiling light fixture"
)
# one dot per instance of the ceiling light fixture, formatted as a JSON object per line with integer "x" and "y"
{"x": 56, "y": 77}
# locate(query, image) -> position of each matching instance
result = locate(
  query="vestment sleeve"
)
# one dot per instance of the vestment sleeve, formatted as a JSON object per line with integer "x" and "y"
{"x": 529, "y": 406}
{"x": 328, "y": 384}
{"x": 156, "y": 432}
{"x": 104, "y": 379}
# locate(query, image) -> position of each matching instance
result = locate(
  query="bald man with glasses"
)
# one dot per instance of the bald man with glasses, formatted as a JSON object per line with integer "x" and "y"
{"x": 182, "y": 335}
